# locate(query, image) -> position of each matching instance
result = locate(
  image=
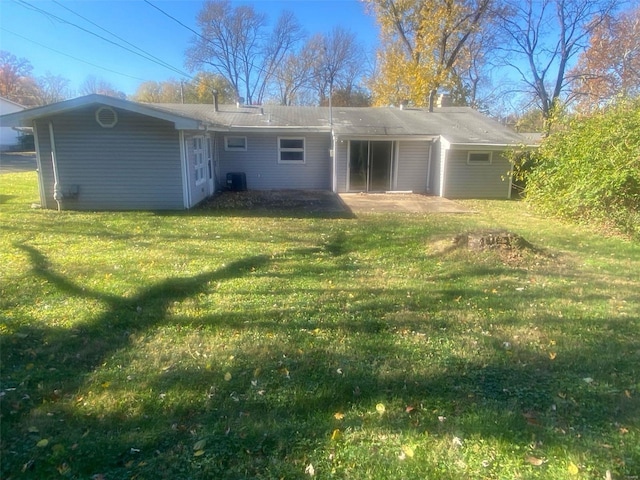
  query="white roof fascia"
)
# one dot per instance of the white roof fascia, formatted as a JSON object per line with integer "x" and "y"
{"x": 406, "y": 138}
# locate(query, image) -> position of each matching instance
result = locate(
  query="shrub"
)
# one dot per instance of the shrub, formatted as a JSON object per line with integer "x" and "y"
{"x": 589, "y": 169}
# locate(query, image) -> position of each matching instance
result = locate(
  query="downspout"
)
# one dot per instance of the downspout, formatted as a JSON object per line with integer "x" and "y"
{"x": 428, "y": 189}
{"x": 186, "y": 200}
{"x": 43, "y": 196}
{"x": 334, "y": 177}
{"x": 57, "y": 190}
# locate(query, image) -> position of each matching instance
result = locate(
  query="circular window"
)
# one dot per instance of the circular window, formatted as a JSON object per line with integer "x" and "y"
{"x": 106, "y": 117}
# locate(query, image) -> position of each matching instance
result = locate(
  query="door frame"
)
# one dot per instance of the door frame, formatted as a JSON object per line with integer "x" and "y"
{"x": 393, "y": 164}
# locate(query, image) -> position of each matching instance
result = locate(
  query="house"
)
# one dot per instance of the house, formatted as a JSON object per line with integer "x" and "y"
{"x": 103, "y": 153}
{"x": 9, "y": 136}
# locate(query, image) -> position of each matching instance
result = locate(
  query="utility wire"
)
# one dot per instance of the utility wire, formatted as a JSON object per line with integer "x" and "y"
{"x": 71, "y": 56}
{"x": 150, "y": 55}
{"x": 62, "y": 20}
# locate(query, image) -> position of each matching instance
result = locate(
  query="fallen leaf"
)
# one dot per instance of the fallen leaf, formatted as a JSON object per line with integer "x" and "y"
{"x": 627, "y": 393}
{"x": 33, "y": 430}
{"x": 309, "y": 470}
{"x": 198, "y": 453}
{"x": 200, "y": 444}
{"x": 409, "y": 409}
{"x": 380, "y": 408}
{"x": 43, "y": 443}
{"x": 535, "y": 461}
{"x": 572, "y": 468}
{"x": 338, "y": 416}
{"x": 105, "y": 384}
{"x": 227, "y": 376}
{"x": 552, "y": 355}
{"x": 336, "y": 435}
{"x": 408, "y": 451}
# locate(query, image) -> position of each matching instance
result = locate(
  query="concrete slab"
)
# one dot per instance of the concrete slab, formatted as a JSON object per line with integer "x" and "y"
{"x": 400, "y": 202}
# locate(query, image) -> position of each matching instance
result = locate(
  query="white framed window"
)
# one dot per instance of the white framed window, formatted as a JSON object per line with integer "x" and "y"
{"x": 198, "y": 159}
{"x": 479, "y": 158}
{"x": 235, "y": 144}
{"x": 290, "y": 149}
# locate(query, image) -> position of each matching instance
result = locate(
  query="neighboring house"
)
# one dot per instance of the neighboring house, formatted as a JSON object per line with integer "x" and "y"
{"x": 9, "y": 137}
{"x": 103, "y": 153}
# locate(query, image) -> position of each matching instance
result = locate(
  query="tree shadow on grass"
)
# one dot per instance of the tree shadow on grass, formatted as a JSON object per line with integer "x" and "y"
{"x": 272, "y": 410}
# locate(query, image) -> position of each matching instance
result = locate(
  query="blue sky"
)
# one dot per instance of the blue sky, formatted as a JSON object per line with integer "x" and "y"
{"x": 45, "y": 41}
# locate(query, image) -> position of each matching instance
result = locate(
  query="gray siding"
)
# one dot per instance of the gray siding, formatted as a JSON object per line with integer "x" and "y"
{"x": 342, "y": 160}
{"x": 413, "y": 161}
{"x": 260, "y": 162}
{"x": 476, "y": 181}
{"x": 133, "y": 166}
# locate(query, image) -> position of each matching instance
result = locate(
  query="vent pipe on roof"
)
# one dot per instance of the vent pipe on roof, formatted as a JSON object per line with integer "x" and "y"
{"x": 215, "y": 99}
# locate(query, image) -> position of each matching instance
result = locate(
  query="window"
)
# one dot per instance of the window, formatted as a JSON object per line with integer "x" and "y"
{"x": 198, "y": 159}
{"x": 479, "y": 158}
{"x": 235, "y": 144}
{"x": 290, "y": 150}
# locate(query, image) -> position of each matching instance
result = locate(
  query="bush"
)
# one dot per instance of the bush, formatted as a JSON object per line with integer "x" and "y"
{"x": 589, "y": 169}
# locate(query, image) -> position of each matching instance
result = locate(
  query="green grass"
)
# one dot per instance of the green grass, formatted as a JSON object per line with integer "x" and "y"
{"x": 226, "y": 345}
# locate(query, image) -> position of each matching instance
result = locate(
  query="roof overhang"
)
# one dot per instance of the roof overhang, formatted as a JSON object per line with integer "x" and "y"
{"x": 406, "y": 138}
{"x": 488, "y": 146}
{"x": 26, "y": 117}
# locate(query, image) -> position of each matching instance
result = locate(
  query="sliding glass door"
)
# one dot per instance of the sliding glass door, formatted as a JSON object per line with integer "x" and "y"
{"x": 370, "y": 166}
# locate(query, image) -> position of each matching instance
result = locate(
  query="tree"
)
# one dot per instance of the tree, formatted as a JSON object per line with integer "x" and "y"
{"x": 610, "y": 66}
{"x": 93, "y": 84}
{"x": 51, "y": 88}
{"x": 422, "y": 41}
{"x": 292, "y": 78}
{"x": 542, "y": 38}
{"x": 337, "y": 62}
{"x": 198, "y": 90}
{"x": 234, "y": 43}
{"x": 14, "y": 72}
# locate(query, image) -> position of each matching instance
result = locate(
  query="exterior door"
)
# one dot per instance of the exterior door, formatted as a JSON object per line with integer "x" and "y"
{"x": 370, "y": 165}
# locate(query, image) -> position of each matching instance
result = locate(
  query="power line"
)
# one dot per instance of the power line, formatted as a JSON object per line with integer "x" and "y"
{"x": 71, "y": 56}
{"x": 158, "y": 60}
{"x": 62, "y": 20}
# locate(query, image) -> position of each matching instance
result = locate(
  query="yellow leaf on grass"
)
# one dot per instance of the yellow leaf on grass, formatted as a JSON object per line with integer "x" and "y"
{"x": 408, "y": 451}
{"x": 227, "y": 376}
{"x": 338, "y": 416}
{"x": 552, "y": 355}
{"x": 572, "y": 468}
{"x": 43, "y": 443}
{"x": 199, "y": 445}
{"x": 198, "y": 453}
{"x": 336, "y": 435}
{"x": 380, "y": 408}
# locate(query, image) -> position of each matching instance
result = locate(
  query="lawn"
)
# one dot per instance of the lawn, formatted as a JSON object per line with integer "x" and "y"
{"x": 229, "y": 344}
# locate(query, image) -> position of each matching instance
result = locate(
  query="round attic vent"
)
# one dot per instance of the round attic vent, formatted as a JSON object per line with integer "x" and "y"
{"x": 106, "y": 117}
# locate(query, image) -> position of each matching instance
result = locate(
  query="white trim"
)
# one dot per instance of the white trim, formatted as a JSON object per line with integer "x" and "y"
{"x": 488, "y": 161}
{"x": 57, "y": 192}
{"x": 292, "y": 150}
{"x": 510, "y": 181}
{"x": 228, "y": 148}
{"x": 41, "y": 190}
{"x": 395, "y": 159}
{"x": 334, "y": 164}
{"x": 185, "y": 171}
{"x": 444, "y": 148}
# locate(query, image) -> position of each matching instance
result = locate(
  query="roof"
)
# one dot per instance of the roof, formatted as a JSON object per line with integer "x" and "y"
{"x": 458, "y": 125}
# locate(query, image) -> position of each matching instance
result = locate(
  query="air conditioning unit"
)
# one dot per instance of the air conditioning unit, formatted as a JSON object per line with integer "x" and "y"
{"x": 236, "y": 181}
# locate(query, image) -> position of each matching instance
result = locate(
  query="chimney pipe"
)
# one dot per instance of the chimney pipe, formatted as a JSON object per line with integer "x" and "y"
{"x": 215, "y": 100}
